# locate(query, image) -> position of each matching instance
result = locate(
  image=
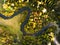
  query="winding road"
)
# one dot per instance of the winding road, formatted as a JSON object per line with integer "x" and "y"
{"x": 26, "y": 21}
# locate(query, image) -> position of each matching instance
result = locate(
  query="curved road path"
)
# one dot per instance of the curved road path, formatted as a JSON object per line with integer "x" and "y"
{"x": 26, "y": 21}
